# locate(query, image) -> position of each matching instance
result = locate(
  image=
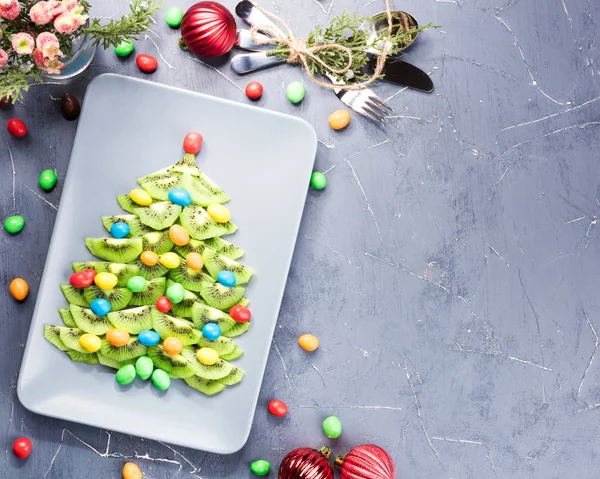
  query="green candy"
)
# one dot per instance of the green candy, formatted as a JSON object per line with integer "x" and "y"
{"x": 176, "y": 293}
{"x": 173, "y": 17}
{"x": 136, "y": 284}
{"x": 332, "y": 427}
{"x": 14, "y": 224}
{"x": 126, "y": 374}
{"x": 260, "y": 467}
{"x": 124, "y": 48}
{"x": 318, "y": 180}
{"x": 47, "y": 180}
{"x": 295, "y": 92}
{"x": 144, "y": 367}
{"x": 161, "y": 380}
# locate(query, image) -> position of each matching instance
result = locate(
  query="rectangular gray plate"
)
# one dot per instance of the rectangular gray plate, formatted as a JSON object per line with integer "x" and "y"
{"x": 130, "y": 128}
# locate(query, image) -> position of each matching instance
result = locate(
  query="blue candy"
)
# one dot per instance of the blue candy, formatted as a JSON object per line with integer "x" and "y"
{"x": 148, "y": 338}
{"x": 226, "y": 278}
{"x": 120, "y": 230}
{"x": 180, "y": 197}
{"x": 211, "y": 331}
{"x": 100, "y": 307}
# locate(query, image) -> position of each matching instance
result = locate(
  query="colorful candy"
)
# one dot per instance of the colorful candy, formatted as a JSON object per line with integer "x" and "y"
{"x": 90, "y": 342}
{"x": 82, "y": 279}
{"x": 124, "y": 48}
{"x": 170, "y": 260}
{"x": 240, "y": 313}
{"x": 173, "y": 17}
{"x": 140, "y": 197}
{"x": 260, "y": 467}
{"x": 172, "y": 345}
{"x": 218, "y": 213}
{"x": 125, "y": 374}
{"x": 179, "y": 235}
{"x": 339, "y": 119}
{"x": 226, "y": 278}
{"x": 14, "y": 224}
{"x": 120, "y": 230}
{"x": 100, "y": 307}
{"x": 149, "y": 258}
{"x": 254, "y": 90}
{"x": 136, "y": 284}
{"x": 148, "y": 338}
{"x": 106, "y": 280}
{"x": 332, "y": 427}
{"x": 146, "y": 63}
{"x": 131, "y": 471}
{"x": 144, "y": 367}
{"x": 16, "y": 128}
{"x": 179, "y": 197}
{"x": 163, "y": 304}
{"x": 117, "y": 337}
{"x": 308, "y": 342}
{"x": 192, "y": 143}
{"x": 176, "y": 293}
{"x": 71, "y": 109}
{"x": 47, "y": 180}
{"x": 278, "y": 408}
{"x": 19, "y": 289}
{"x": 211, "y": 331}
{"x": 295, "y": 92}
{"x": 22, "y": 447}
{"x": 194, "y": 261}
{"x": 161, "y": 380}
{"x": 318, "y": 180}
{"x": 207, "y": 356}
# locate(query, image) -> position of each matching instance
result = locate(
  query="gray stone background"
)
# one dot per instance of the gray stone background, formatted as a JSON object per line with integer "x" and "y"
{"x": 449, "y": 268}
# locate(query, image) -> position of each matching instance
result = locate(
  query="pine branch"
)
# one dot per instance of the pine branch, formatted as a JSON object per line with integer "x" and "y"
{"x": 14, "y": 82}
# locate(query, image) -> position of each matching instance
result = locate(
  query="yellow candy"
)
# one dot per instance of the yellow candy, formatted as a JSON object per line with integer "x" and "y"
{"x": 140, "y": 197}
{"x": 149, "y": 258}
{"x": 169, "y": 260}
{"x": 219, "y": 213}
{"x": 207, "y": 356}
{"x": 308, "y": 342}
{"x": 106, "y": 280}
{"x": 90, "y": 342}
{"x": 339, "y": 119}
{"x": 179, "y": 235}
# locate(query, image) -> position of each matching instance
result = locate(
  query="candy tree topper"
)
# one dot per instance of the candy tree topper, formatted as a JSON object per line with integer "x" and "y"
{"x": 36, "y": 37}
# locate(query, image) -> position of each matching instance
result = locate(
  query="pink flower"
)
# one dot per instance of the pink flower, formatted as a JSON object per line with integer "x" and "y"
{"x": 11, "y": 12}
{"x": 44, "y": 12}
{"x": 68, "y": 22}
{"x": 3, "y": 58}
{"x": 70, "y": 6}
{"x": 23, "y": 43}
{"x": 49, "y": 65}
{"x": 7, "y": 3}
{"x": 48, "y": 44}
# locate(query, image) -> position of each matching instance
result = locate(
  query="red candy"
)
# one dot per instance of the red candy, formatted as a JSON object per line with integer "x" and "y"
{"x": 22, "y": 447}
{"x": 278, "y": 408}
{"x": 254, "y": 90}
{"x": 16, "y": 127}
{"x": 146, "y": 63}
{"x": 83, "y": 279}
{"x": 240, "y": 313}
{"x": 163, "y": 304}
{"x": 192, "y": 143}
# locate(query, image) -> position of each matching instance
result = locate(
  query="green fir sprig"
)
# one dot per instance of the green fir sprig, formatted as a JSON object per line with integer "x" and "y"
{"x": 14, "y": 82}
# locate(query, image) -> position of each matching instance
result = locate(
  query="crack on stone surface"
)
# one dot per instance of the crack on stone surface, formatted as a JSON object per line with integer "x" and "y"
{"x": 194, "y": 470}
{"x": 355, "y": 154}
{"x": 42, "y": 198}
{"x": 319, "y": 373}
{"x": 497, "y": 254}
{"x": 149, "y": 38}
{"x": 593, "y": 356}
{"x": 369, "y": 209}
{"x": 325, "y": 10}
{"x": 216, "y": 70}
{"x": 498, "y": 354}
{"x": 337, "y": 253}
{"x": 482, "y": 65}
{"x": 285, "y": 371}
{"x": 346, "y": 406}
{"x": 587, "y": 238}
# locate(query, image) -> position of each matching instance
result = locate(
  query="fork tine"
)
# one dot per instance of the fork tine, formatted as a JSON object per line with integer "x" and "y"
{"x": 372, "y": 114}
{"x": 376, "y": 107}
{"x": 376, "y": 99}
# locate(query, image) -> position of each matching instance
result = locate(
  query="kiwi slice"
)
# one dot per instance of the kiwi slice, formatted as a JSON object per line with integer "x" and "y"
{"x": 167, "y": 326}
{"x": 184, "y": 309}
{"x": 201, "y": 226}
{"x": 133, "y": 349}
{"x": 205, "y": 386}
{"x": 237, "y": 330}
{"x": 194, "y": 246}
{"x": 189, "y": 278}
{"x": 234, "y": 377}
{"x": 217, "y": 371}
{"x": 219, "y": 296}
{"x": 133, "y": 320}
{"x": 198, "y": 192}
{"x": 225, "y": 248}
{"x": 123, "y": 272}
{"x": 78, "y": 357}
{"x": 203, "y": 314}
{"x": 159, "y": 187}
{"x": 77, "y": 267}
{"x": 235, "y": 354}
{"x": 115, "y": 250}
{"x": 52, "y": 334}
{"x": 245, "y": 302}
{"x": 67, "y": 318}
{"x": 136, "y": 227}
{"x": 215, "y": 263}
{"x": 70, "y": 338}
{"x": 117, "y": 297}
{"x": 74, "y": 295}
{"x": 154, "y": 289}
{"x": 158, "y": 215}
{"x": 88, "y": 321}
{"x": 157, "y": 241}
{"x": 221, "y": 345}
{"x": 111, "y": 363}
{"x": 176, "y": 366}
{"x": 150, "y": 272}
{"x": 127, "y": 203}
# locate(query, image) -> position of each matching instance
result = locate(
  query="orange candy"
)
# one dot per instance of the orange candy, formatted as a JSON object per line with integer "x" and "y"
{"x": 172, "y": 346}
{"x": 117, "y": 337}
{"x": 19, "y": 289}
{"x": 308, "y": 342}
{"x": 194, "y": 261}
{"x": 179, "y": 235}
{"x": 149, "y": 258}
{"x": 339, "y": 119}
{"x": 131, "y": 471}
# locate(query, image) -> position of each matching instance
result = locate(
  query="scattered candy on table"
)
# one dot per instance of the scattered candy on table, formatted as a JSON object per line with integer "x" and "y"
{"x": 47, "y": 180}
{"x": 83, "y": 279}
{"x": 278, "y": 408}
{"x": 194, "y": 261}
{"x": 192, "y": 143}
{"x": 106, "y": 280}
{"x": 218, "y": 213}
{"x": 125, "y": 374}
{"x": 339, "y": 119}
{"x": 226, "y": 278}
{"x": 254, "y": 90}
{"x": 161, "y": 380}
{"x": 207, "y": 356}
{"x": 172, "y": 345}
{"x": 22, "y": 447}
{"x": 131, "y": 471}
{"x": 124, "y": 49}
{"x": 14, "y": 224}
{"x": 318, "y": 180}
{"x": 16, "y": 128}
{"x": 5, "y": 103}
{"x": 179, "y": 235}
{"x": 100, "y": 307}
{"x": 70, "y": 107}
{"x": 211, "y": 331}
{"x": 173, "y": 17}
{"x": 146, "y": 63}
{"x": 332, "y": 427}
{"x": 179, "y": 197}
{"x": 170, "y": 260}
{"x": 120, "y": 230}
{"x": 149, "y": 258}
{"x": 240, "y": 313}
{"x": 19, "y": 289}
{"x": 144, "y": 367}
{"x": 90, "y": 342}
{"x": 260, "y": 467}
{"x": 117, "y": 337}
{"x": 163, "y": 304}
{"x": 136, "y": 284}
{"x": 140, "y": 197}
{"x": 295, "y": 92}
{"x": 308, "y": 342}
{"x": 149, "y": 338}
{"x": 176, "y": 293}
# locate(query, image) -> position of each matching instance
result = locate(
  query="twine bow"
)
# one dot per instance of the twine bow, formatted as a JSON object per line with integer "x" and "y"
{"x": 280, "y": 33}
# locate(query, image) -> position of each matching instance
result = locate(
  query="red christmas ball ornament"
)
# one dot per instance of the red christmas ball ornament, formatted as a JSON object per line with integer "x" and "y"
{"x": 367, "y": 461}
{"x": 306, "y": 463}
{"x": 208, "y": 29}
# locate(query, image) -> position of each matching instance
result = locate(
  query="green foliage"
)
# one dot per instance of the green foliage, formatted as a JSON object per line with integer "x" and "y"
{"x": 14, "y": 82}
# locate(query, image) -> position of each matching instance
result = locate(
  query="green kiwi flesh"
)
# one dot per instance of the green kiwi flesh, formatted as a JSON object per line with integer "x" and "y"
{"x": 215, "y": 263}
{"x": 150, "y": 272}
{"x": 154, "y": 289}
{"x": 136, "y": 227}
{"x": 237, "y": 330}
{"x": 118, "y": 298}
{"x": 74, "y": 295}
{"x": 221, "y": 345}
{"x": 203, "y": 314}
{"x": 225, "y": 248}
{"x": 235, "y": 354}
{"x": 127, "y": 203}
{"x": 234, "y": 377}
{"x": 221, "y": 297}
{"x": 158, "y": 215}
{"x": 205, "y": 386}
{"x": 115, "y": 250}
{"x": 245, "y": 302}
{"x": 133, "y": 320}
{"x": 194, "y": 246}
{"x": 67, "y": 318}
{"x": 217, "y": 371}
{"x": 78, "y": 357}
{"x": 175, "y": 366}
{"x": 52, "y": 334}
{"x": 133, "y": 349}
{"x": 88, "y": 321}
{"x": 157, "y": 241}
{"x": 70, "y": 338}
{"x": 77, "y": 267}
{"x": 189, "y": 278}
{"x": 184, "y": 309}
{"x": 167, "y": 326}
{"x": 111, "y": 363}
{"x": 201, "y": 226}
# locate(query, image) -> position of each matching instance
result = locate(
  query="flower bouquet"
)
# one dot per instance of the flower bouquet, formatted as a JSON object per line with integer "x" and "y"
{"x": 37, "y": 37}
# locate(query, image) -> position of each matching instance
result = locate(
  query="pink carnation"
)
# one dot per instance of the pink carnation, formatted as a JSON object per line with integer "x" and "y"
{"x": 48, "y": 44}
{"x": 44, "y": 12}
{"x": 68, "y": 22}
{"x": 23, "y": 43}
{"x": 3, "y": 58}
{"x": 49, "y": 65}
{"x": 11, "y": 12}
{"x": 7, "y": 3}
{"x": 70, "y": 6}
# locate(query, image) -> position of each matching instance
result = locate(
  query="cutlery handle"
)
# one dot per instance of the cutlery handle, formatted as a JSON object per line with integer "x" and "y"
{"x": 250, "y": 62}
{"x": 252, "y": 15}
{"x": 245, "y": 42}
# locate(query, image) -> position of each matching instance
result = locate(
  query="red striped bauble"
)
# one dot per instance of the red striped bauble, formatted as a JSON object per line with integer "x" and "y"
{"x": 367, "y": 461}
{"x": 306, "y": 463}
{"x": 208, "y": 29}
